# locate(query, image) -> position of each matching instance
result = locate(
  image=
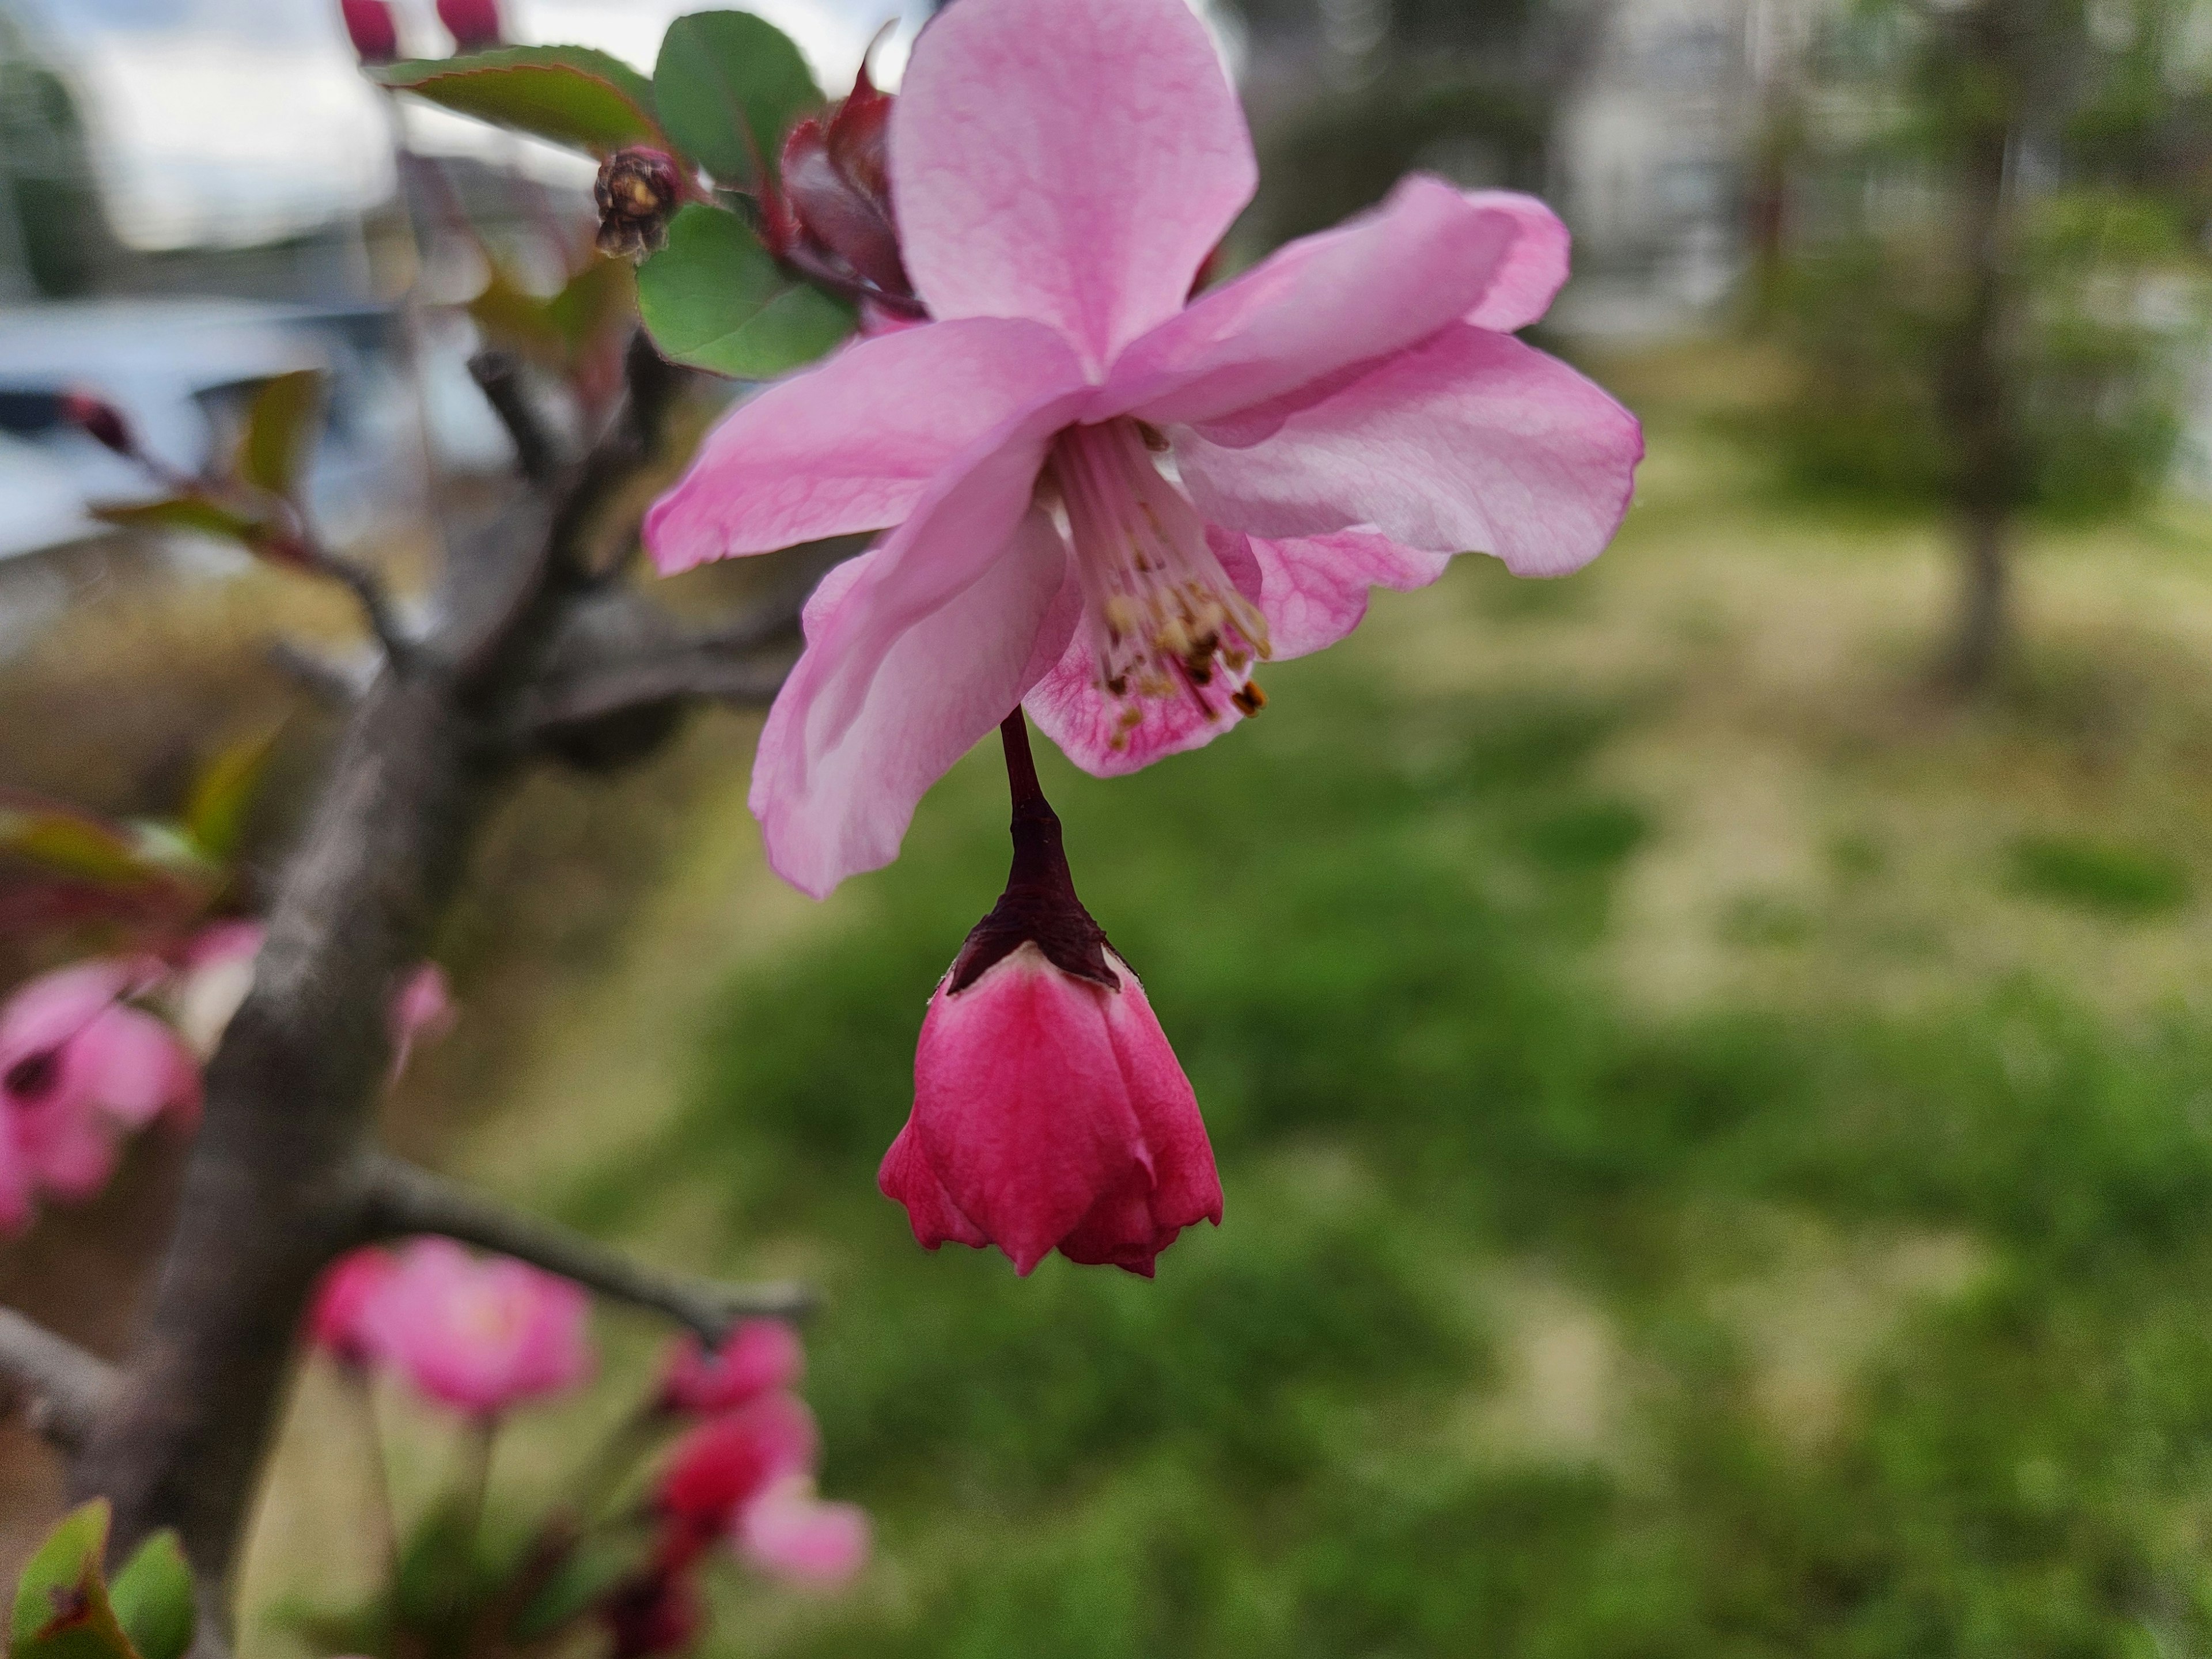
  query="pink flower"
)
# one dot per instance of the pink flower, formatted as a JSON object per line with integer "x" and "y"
{"x": 481, "y": 1336}
{"x": 1049, "y": 1111}
{"x": 1350, "y": 414}
{"x": 79, "y": 1067}
{"x": 760, "y": 1357}
{"x": 215, "y": 980}
{"x": 789, "y": 1532}
{"x": 422, "y": 1008}
{"x": 717, "y": 1469}
{"x": 18, "y": 1196}
{"x": 369, "y": 26}
{"x": 344, "y": 1320}
{"x": 474, "y": 24}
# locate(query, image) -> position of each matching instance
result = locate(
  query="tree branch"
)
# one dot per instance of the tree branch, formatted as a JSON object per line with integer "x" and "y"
{"x": 536, "y": 455}
{"x": 399, "y": 1199}
{"x": 65, "y": 1387}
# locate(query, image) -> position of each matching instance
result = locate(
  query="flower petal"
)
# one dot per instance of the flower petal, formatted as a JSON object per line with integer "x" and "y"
{"x": 851, "y": 445}
{"x": 135, "y": 1067}
{"x": 1469, "y": 441}
{"x": 1071, "y": 709}
{"x": 1375, "y": 285}
{"x": 789, "y": 1532}
{"x": 1313, "y": 590}
{"x": 1073, "y": 161}
{"x": 1019, "y": 1105}
{"x": 834, "y": 799}
{"x": 906, "y": 1178}
{"x": 1533, "y": 269}
{"x": 16, "y": 1209}
{"x": 1186, "y": 1187}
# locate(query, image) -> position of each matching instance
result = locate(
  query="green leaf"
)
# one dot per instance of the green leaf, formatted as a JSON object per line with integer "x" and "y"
{"x": 713, "y": 298}
{"x": 62, "y": 1610}
{"x": 280, "y": 429}
{"x": 196, "y": 513}
{"x": 224, "y": 793}
{"x": 572, "y": 1590}
{"x": 73, "y": 843}
{"x": 728, "y": 86}
{"x": 153, "y": 1599}
{"x": 571, "y": 96}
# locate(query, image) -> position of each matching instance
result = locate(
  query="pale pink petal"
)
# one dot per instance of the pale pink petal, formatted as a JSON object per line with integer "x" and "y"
{"x": 851, "y": 445}
{"x": 70, "y": 1150}
{"x": 890, "y": 693}
{"x": 1534, "y": 270}
{"x": 134, "y": 1067}
{"x": 1070, "y": 708}
{"x": 1019, "y": 1104}
{"x": 48, "y": 1011}
{"x": 1470, "y": 442}
{"x": 1313, "y": 591}
{"x": 1322, "y": 306}
{"x": 16, "y": 1206}
{"x": 789, "y": 1532}
{"x": 1073, "y": 161}
{"x": 223, "y": 942}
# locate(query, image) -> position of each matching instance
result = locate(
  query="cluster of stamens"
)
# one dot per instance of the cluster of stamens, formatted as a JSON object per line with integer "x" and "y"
{"x": 1165, "y": 620}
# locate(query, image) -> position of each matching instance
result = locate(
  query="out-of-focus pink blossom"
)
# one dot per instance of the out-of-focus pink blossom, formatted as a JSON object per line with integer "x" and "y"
{"x": 1112, "y": 499}
{"x": 213, "y": 980}
{"x": 759, "y": 1357}
{"x": 718, "y": 1466}
{"x": 79, "y": 1067}
{"x": 369, "y": 26}
{"x": 17, "y": 1195}
{"x": 478, "y": 1335}
{"x": 422, "y": 1009}
{"x": 343, "y": 1320}
{"x": 474, "y": 24}
{"x": 790, "y": 1532}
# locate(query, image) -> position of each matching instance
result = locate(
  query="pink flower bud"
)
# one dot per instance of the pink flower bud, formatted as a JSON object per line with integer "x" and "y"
{"x": 835, "y": 204}
{"x": 100, "y": 420}
{"x": 718, "y": 1468}
{"x": 1049, "y": 1111}
{"x": 474, "y": 24}
{"x": 369, "y": 24}
{"x": 481, "y": 1336}
{"x": 343, "y": 1320}
{"x": 789, "y": 1532}
{"x": 760, "y": 1357}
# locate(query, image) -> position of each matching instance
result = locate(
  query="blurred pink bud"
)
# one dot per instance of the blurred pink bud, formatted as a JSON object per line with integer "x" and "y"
{"x": 474, "y": 24}
{"x": 343, "y": 1321}
{"x": 99, "y": 419}
{"x": 79, "y": 1066}
{"x": 481, "y": 1336}
{"x": 368, "y": 23}
{"x": 789, "y": 1532}
{"x": 422, "y": 1008}
{"x": 718, "y": 1468}
{"x": 17, "y": 1204}
{"x": 760, "y": 1357}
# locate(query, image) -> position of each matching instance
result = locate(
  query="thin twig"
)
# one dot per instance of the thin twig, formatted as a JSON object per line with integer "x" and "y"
{"x": 66, "y": 1387}
{"x": 399, "y": 1199}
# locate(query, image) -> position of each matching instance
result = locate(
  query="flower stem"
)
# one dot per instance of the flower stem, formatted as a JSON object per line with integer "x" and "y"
{"x": 1021, "y": 765}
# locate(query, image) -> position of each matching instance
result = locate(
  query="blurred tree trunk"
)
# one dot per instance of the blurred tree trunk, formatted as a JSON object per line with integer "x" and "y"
{"x": 1976, "y": 400}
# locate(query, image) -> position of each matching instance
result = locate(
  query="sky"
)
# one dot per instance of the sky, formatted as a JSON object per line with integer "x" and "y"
{"x": 233, "y": 122}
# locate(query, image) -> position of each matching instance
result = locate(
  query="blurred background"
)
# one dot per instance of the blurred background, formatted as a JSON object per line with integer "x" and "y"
{"x": 1712, "y": 1059}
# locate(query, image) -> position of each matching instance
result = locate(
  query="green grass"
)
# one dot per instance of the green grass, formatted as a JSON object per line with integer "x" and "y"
{"x": 1374, "y": 923}
{"x": 2118, "y": 880}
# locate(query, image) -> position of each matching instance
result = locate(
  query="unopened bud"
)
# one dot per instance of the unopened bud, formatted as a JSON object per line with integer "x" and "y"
{"x": 837, "y": 187}
{"x": 368, "y": 23}
{"x": 637, "y": 190}
{"x": 474, "y": 24}
{"x": 99, "y": 419}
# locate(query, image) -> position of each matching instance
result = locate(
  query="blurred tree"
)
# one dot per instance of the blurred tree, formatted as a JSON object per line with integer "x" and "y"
{"x": 1986, "y": 247}
{"x": 55, "y": 222}
{"x": 1348, "y": 95}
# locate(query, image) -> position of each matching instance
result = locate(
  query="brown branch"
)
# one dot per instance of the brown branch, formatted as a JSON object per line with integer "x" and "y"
{"x": 498, "y": 376}
{"x": 63, "y": 1387}
{"x": 399, "y": 1199}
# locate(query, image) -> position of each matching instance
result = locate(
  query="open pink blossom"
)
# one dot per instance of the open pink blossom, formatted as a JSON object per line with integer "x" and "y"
{"x": 759, "y": 1357}
{"x": 1111, "y": 499}
{"x": 790, "y": 1532}
{"x": 343, "y": 1320}
{"x": 478, "y": 1335}
{"x": 80, "y": 1067}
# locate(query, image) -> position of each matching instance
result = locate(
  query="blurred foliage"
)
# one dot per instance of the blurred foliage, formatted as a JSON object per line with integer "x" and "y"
{"x": 1901, "y": 263}
{"x": 1368, "y": 923}
{"x": 52, "y": 203}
